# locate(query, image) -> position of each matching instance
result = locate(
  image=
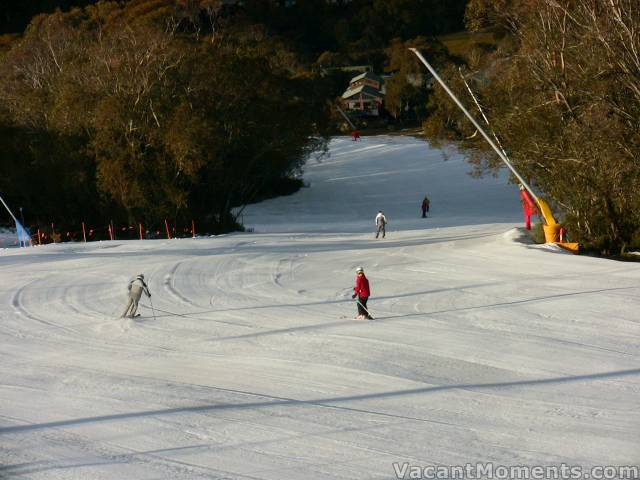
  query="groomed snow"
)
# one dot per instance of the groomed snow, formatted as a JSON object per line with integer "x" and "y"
{"x": 484, "y": 349}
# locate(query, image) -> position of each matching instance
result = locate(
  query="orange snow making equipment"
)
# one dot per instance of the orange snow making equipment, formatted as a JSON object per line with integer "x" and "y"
{"x": 552, "y": 228}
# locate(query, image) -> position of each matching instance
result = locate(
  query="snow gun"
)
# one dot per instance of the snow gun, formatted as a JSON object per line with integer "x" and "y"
{"x": 551, "y": 226}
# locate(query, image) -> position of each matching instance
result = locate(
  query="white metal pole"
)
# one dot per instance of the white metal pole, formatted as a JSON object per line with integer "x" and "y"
{"x": 8, "y": 210}
{"x": 475, "y": 124}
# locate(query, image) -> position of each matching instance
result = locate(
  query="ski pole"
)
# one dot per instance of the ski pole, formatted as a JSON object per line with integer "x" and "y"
{"x": 364, "y": 308}
{"x": 153, "y": 311}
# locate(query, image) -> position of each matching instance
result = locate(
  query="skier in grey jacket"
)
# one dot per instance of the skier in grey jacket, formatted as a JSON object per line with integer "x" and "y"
{"x": 381, "y": 223}
{"x": 136, "y": 287}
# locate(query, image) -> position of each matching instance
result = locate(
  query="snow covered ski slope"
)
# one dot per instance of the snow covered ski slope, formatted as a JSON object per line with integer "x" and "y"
{"x": 484, "y": 348}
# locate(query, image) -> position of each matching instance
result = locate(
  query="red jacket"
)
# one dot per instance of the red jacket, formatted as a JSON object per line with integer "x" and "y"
{"x": 528, "y": 203}
{"x": 362, "y": 286}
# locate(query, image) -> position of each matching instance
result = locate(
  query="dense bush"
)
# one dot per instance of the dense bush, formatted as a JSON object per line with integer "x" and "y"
{"x": 562, "y": 91}
{"x": 137, "y": 111}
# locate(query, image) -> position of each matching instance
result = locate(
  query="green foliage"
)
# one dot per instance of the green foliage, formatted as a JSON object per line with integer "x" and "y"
{"x": 406, "y": 92}
{"x": 561, "y": 91}
{"x": 537, "y": 233}
{"x": 463, "y": 44}
{"x": 355, "y": 27}
{"x": 405, "y": 19}
{"x": 153, "y": 109}
{"x": 140, "y": 119}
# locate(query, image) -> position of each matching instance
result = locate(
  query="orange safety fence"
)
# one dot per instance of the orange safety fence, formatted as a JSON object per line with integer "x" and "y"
{"x": 89, "y": 233}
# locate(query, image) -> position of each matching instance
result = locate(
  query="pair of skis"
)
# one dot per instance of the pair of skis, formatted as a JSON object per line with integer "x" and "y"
{"x": 365, "y": 309}
{"x": 153, "y": 311}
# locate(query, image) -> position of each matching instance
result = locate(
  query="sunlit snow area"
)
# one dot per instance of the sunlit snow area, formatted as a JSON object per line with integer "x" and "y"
{"x": 484, "y": 347}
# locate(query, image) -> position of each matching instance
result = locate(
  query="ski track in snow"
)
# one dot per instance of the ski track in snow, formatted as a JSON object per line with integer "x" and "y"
{"x": 484, "y": 348}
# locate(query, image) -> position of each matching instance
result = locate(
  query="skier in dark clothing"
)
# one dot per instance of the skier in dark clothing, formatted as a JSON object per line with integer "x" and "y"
{"x": 362, "y": 291}
{"x": 425, "y": 206}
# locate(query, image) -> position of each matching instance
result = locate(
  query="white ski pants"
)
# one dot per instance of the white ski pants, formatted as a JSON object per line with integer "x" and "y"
{"x": 132, "y": 304}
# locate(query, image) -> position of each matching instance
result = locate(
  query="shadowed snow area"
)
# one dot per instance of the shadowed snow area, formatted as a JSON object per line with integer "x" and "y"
{"x": 8, "y": 238}
{"x": 484, "y": 348}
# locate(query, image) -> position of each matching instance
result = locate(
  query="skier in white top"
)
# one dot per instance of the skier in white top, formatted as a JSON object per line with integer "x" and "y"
{"x": 136, "y": 287}
{"x": 381, "y": 222}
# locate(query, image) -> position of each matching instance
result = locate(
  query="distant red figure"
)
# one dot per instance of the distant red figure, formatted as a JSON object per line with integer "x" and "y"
{"x": 355, "y": 135}
{"x": 425, "y": 206}
{"x": 528, "y": 205}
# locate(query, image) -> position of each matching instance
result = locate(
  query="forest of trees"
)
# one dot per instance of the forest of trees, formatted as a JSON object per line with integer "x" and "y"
{"x": 128, "y": 111}
{"x": 141, "y": 110}
{"x": 562, "y": 91}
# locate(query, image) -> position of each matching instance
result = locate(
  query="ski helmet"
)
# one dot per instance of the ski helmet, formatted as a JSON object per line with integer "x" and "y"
{"x": 141, "y": 276}
{"x": 359, "y": 269}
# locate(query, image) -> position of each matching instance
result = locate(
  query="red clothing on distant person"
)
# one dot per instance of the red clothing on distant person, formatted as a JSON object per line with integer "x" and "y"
{"x": 529, "y": 207}
{"x": 362, "y": 287}
{"x": 425, "y": 206}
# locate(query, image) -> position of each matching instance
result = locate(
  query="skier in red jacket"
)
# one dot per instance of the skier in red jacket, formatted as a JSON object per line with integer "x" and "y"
{"x": 425, "y": 206}
{"x": 361, "y": 290}
{"x": 528, "y": 205}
